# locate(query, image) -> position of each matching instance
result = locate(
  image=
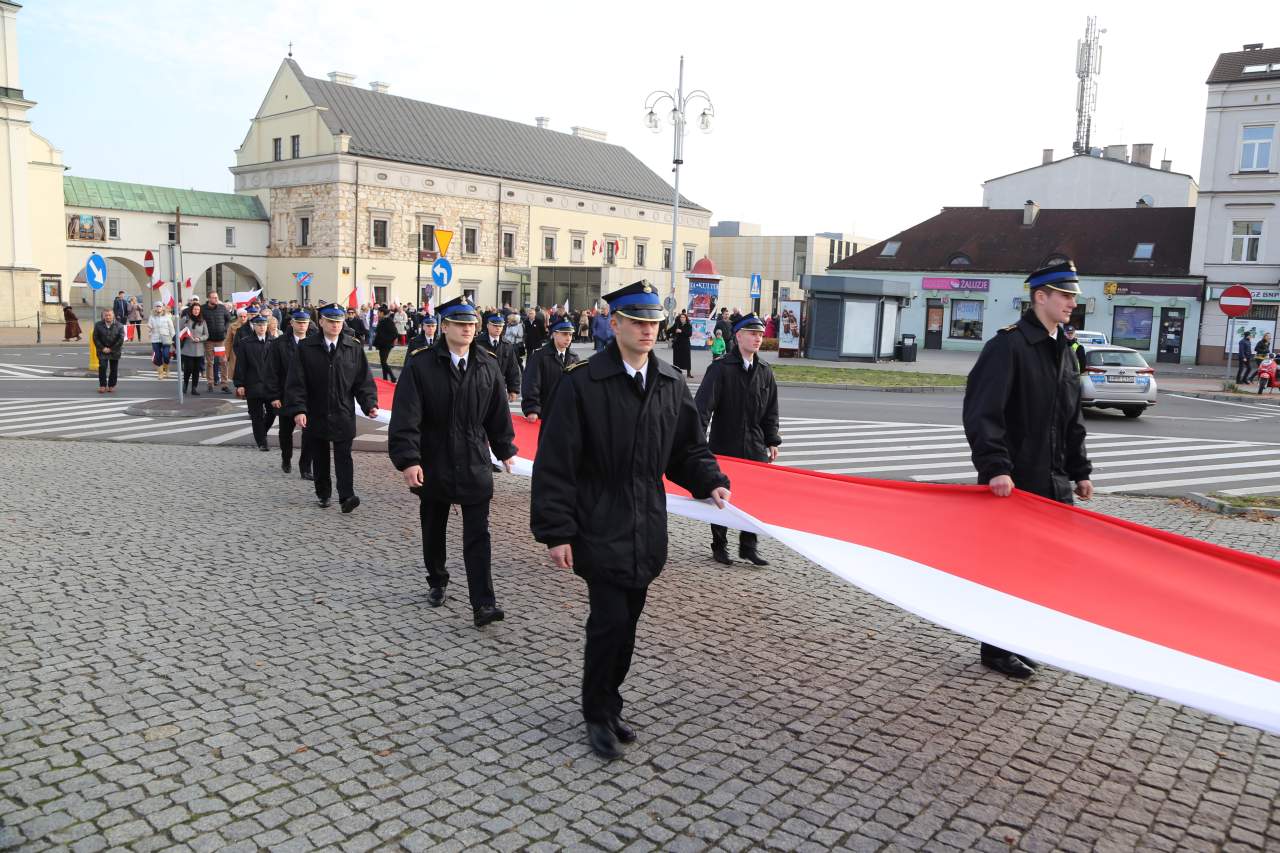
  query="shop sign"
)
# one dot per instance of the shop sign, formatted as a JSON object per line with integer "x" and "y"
{"x": 968, "y": 284}
{"x": 1151, "y": 288}
{"x": 1260, "y": 294}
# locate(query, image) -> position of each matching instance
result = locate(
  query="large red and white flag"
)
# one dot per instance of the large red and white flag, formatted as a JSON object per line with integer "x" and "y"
{"x": 241, "y": 298}
{"x": 355, "y": 298}
{"x": 1142, "y": 608}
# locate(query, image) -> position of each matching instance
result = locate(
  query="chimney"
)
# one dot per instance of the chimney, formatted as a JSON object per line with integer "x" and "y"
{"x": 1030, "y": 211}
{"x": 542, "y": 121}
{"x": 1255, "y": 46}
{"x": 1166, "y": 165}
{"x": 1116, "y": 152}
{"x": 1142, "y": 154}
{"x": 341, "y": 78}
{"x": 379, "y": 87}
{"x": 1046, "y": 156}
{"x": 588, "y": 133}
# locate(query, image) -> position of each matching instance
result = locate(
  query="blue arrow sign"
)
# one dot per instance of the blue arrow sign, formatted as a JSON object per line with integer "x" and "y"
{"x": 304, "y": 278}
{"x": 755, "y": 285}
{"x": 442, "y": 272}
{"x": 95, "y": 272}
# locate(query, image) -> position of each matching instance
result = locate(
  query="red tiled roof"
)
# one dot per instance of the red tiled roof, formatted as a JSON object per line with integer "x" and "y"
{"x": 1100, "y": 241}
{"x": 1230, "y": 66}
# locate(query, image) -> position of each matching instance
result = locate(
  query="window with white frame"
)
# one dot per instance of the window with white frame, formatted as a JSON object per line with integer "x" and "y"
{"x": 230, "y": 235}
{"x": 427, "y": 234}
{"x": 113, "y": 229}
{"x": 508, "y": 244}
{"x": 548, "y": 247}
{"x": 575, "y": 250}
{"x": 295, "y": 146}
{"x": 1246, "y": 241}
{"x": 610, "y": 251}
{"x": 378, "y": 233}
{"x": 688, "y": 259}
{"x": 1255, "y": 147}
{"x": 890, "y": 249}
{"x": 666, "y": 257}
{"x": 173, "y": 232}
{"x": 304, "y": 230}
{"x": 642, "y": 249}
{"x": 1143, "y": 251}
{"x": 470, "y": 239}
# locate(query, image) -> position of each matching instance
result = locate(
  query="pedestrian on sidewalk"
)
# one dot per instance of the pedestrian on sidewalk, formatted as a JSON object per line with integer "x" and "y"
{"x": 385, "y": 335}
{"x": 108, "y": 340}
{"x": 450, "y": 408}
{"x": 328, "y": 377}
{"x": 191, "y": 336}
{"x": 136, "y": 316}
{"x": 617, "y": 424}
{"x": 681, "y": 349}
{"x": 217, "y": 317}
{"x": 120, "y": 308}
{"x": 718, "y": 346}
{"x": 738, "y": 400}
{"x": 1022, "y": 413}
{"x": 71, "y": 327}
{"x": 160, "y": 326}
{"x": 401, "y": 320}
{"x": 1244, "y": 371}
{"x": 513, "y": 334}
{"x": 1263, "y": 349}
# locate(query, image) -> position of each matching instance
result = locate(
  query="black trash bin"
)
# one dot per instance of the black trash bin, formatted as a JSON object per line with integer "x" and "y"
{"x": 908, "y": 348}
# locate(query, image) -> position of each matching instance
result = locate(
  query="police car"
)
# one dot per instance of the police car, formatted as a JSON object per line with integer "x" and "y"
{"x": 1116, "y": 377}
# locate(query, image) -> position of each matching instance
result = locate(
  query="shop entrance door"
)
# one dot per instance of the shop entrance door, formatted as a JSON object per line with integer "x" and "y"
{"x": 933, "y": 319}
{"x": 1169, "y": 348}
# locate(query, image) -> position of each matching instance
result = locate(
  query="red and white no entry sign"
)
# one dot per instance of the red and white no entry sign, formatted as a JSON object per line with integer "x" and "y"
{"x": 149, "y": 265}
{"x": 1236, "y": 300}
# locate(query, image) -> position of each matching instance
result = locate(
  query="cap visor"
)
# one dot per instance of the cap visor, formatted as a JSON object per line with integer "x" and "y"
{"x": 1064, "y": 287}
{"x": 461, "y": 318}
{"x": 639, "y": 312}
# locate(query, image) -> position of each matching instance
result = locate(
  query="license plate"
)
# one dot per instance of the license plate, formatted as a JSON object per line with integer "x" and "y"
{"x": 1128, "y": 379}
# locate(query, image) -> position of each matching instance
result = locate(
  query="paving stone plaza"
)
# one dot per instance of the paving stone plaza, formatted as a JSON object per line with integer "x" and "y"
{"x": 220, "y": 665}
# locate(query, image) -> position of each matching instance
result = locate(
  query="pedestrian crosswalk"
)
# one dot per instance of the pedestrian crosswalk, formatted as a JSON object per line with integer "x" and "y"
{"x": 904, "y": 450}
{"x": 938, "y": 453}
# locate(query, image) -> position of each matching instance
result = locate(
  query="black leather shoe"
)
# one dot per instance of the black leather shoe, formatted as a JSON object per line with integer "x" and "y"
{"x": 488, "y": 613}
{"x": 603, "y": 741}
{"x": 1010, "y": 665}
{"x": 623, "y": 732}
{"x": 721, "y": 556}
{"x": 348, "y": 504}
{"x": 307, "y": 475}
{"x": 286, "y": 466}
{"x": 195, "y": 393}
{"x": 324, "y": 503}
{"x": 263, "y": 447}
{"x": 752, "y": 557}
{"x": 436, "y": 597}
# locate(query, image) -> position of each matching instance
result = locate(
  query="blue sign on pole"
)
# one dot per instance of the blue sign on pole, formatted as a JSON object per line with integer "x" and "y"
{"x": 442, "y": 272}
{"x": 95, "y": 272}
{"x": 304, "y": 278}
{"x": 755, "y": 285}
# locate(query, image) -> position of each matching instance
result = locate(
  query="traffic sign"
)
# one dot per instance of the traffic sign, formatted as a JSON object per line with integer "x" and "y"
{"x": 1236, "y": 300}
{"x": 669, "y": 303}
{"x": 95, "y": 272}
{"x": 303, "y": 278}
{"x": 755, "y": 285}
{"x": 442, "y": 240}
{"x": 442, "y": 270}
{"x": 149, "y": 265}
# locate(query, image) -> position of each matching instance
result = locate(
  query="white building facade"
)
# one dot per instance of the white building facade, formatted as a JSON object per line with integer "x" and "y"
{"x": 1237, "y": 228}
{"x": 1111, "y": 179}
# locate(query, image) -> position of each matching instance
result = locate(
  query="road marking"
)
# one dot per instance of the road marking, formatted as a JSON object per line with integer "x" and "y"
{"x": 1253, "y": 406}
{"x": 57, "y": 407}
{"x": 1251, "y": 490}
{"x": 234, "y": 434}
{"x": 43, "y": 426}
{"x": 1195, "y": 481}
{"x": 194, "y": 428}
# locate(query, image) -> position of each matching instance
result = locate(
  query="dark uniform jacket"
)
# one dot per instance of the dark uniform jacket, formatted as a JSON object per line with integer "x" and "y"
{"x": 109, "y": 336}
{"x": 507, "y": 364}
{"x": 447, "y": 422}
{"x": 602, "y": 453}
{"x": 542, "y": 376}
{"x": 280, "y": 356}
{"x": 385, "y": 334}
{"x": 1022, "y": 411}
{"x": 251, "y": 371}
{"x": 323, "y": 385}
{"x": 745, "y": 406}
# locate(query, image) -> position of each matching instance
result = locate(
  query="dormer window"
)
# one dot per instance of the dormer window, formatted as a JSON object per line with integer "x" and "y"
{"x": 1054, "y": 259}
{"x": 890, "y": 249}
{"x": 959, "y": 259}
{"x": 1143, "y": 251}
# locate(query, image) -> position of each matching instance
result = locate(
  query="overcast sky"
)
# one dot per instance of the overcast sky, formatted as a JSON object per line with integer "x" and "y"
{"x": 830, "y": 116}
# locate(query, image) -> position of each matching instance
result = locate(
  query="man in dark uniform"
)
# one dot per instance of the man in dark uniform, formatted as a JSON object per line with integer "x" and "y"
{"x": 426, "y": 337}
{"x": 1077, "y": 348}
{"x": 449, "y": 410}
{"x": 740, "y": 392}
{"x": 506, "y": 353}
{"x": 328, "y": 376}
{"x": 618, "y": 422}
{"x": 1022, "y": 413}
{"x": 252, "y": 378}
{"x": 281, "y": 355}
{"x": 546, "y": 366}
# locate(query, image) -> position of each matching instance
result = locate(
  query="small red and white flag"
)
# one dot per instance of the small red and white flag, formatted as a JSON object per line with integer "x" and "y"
{"x": 184, "y": 334}
{"x": 241, "y": 298}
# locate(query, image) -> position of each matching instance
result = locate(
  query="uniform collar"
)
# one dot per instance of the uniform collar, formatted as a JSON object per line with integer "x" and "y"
{"x": 608, "y": 362}
{"x": 1032, "y": 329}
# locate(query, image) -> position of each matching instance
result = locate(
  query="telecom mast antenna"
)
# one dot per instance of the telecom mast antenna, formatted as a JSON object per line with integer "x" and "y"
{"x": 1088, "y": 66}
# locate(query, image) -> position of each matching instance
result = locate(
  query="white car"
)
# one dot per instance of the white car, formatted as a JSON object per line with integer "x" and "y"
{"x": 1088, "y": 338}
{"x": 1117, "y": 378}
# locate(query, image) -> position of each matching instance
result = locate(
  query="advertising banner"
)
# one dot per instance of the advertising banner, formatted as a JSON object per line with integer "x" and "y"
{"x": 82, "y": 226}
{"x": 702, "y": 297}
{"x": 789, "y": 325}
{"x": 970, "y": 284}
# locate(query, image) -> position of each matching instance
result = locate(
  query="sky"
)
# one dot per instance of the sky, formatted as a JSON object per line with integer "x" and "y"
{"x": 829, "y": 116}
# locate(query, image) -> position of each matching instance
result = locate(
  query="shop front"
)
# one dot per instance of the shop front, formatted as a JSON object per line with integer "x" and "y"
{"x": 1220, "y": 334}
{"x": 852, "y": 319}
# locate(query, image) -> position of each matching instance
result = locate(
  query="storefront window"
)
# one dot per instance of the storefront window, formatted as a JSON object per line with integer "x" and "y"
{"x": 966, "y": 319}
{"x": 1131, "y": 327}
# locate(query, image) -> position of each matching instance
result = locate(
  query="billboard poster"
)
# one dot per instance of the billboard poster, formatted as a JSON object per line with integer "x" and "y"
{"x": 702, "y": 300}
{"x": 82, "y": 226}
{"x": 1131, "y": 327}
{"x": 789, "y": 325}
{"x": 1237, "y": 326}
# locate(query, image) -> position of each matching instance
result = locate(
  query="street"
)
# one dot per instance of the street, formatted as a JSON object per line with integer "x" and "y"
{"x": 1186, "y": 444}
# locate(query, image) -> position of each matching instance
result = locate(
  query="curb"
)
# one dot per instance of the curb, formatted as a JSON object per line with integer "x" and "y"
{"x": 1224, "y": 508}
{"x": 1264, "y": 400}
{"x": 188, "y": 409}
{"x": 903, "y": 389}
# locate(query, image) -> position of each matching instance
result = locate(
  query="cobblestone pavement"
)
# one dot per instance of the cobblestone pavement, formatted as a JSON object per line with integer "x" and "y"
{"x": 292, "y": 690}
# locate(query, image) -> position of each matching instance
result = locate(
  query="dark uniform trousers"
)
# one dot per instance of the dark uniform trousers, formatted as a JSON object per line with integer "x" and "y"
{"x": 720, "y": 538}
{"x": 434, "y": 516}
{"x": 611, "y": 640}
{"x": 261, "y": 417}
{"x": 343, "y": 469}
{"x": 285, "y": 435}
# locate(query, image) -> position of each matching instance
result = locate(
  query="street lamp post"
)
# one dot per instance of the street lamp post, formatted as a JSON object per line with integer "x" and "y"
{"x": 679, "y": 104}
